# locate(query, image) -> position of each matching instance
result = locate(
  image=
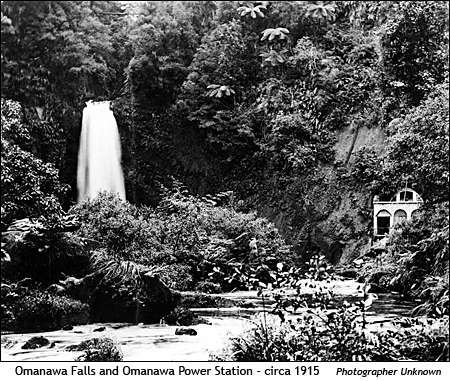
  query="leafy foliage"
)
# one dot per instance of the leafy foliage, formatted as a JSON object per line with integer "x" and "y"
{"x": 338, "y": 338}
{"x": 30, "y": 187}
{"x": 55, "y": 56}
{"x": 252, "y": 11}
{"x": 321, "y": 11}
{"x": 24, "y": 309}
{"x": 98, "y": 349}
{"x": 416, "y": 152}
{"x": 417, "y": 149}
{"x": 416, "y": 262}
{"x": 204, "y": 73}
{"x": 327, "y": 330}
{"x": 242, "y": 96}
{"x": 218, "y": 91}
{"x": 75, "y": 33}
{"x": 273, "y": 33}
{"x": 183, "y": 235}
{"x": 412, "y": 47}
{"x": 43, "y": 249}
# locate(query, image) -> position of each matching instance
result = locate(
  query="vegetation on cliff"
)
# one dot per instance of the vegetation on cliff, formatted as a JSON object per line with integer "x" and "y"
{"x": 263, "y": 110}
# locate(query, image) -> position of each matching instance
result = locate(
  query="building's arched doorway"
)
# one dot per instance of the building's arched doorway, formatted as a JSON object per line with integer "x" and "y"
{"x": 399, "y": 216}
{"x": 383, "y": 222}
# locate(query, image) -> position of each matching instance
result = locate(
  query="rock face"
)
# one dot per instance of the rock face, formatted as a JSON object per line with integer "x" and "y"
{"x": 326, "y": 210}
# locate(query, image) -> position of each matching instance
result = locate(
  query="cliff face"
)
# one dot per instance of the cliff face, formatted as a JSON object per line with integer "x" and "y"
{"x": 327, "y": 210}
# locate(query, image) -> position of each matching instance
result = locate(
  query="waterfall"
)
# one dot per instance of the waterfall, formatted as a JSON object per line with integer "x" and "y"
{"x": 99, "y": 167}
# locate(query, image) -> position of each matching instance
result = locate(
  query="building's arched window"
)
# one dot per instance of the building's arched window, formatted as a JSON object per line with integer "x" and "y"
{"x": 406, "y": 196}
{"x": 399, "y": 216}
{"x": 383, "y": 222}
{"x": 415, "y": 214}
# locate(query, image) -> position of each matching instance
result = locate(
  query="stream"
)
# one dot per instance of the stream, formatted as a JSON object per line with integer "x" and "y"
{"x": 158, "y": 342}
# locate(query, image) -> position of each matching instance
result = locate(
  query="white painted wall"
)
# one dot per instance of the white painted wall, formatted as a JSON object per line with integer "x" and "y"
{"x": 391, "y": 207}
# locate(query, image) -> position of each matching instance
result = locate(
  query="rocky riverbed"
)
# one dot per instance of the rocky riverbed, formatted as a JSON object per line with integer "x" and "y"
{"x": 159, "y": 342}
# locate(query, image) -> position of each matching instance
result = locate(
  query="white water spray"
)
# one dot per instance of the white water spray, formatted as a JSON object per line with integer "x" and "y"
{"x": 99, "y": 167}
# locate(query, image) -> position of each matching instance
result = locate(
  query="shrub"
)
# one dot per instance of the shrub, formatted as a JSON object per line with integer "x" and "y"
{"x": 183, "y": 316}
{"x": 118, "y": 227}
{"x": 176, "y": 276}
{"x": 201, "y": 300}
{"x": 190, "y": 239}
{"x": 42, "y": 250}
{"x": 41, "y": 311}
{"x": 366, "y": 166}
{"x": 98, "y": 349}
{"x": 416, "y": 261}
{"x": 329, "y": 330}
{"x": 338, "y": 338}
{"x": 208, "y": 287}
{"x": 13, "y": 128}
{"x": 30, "y": 187}
{"x": 294, "y": 146}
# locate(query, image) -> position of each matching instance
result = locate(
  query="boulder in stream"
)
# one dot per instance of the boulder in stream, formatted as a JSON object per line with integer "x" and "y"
{"x": 147, "y": 302}
{"x": 186, "y": 331}
{"x": 36, "y": 342}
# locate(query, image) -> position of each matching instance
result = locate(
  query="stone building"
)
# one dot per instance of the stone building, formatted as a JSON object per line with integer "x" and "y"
{"x": 386, "y": 214}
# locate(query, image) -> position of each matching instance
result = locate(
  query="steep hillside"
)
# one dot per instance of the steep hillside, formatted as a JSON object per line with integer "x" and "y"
{"x": 328, "y": 210}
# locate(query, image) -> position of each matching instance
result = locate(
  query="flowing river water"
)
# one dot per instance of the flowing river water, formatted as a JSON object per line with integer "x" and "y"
{"x": 158, "y": 342}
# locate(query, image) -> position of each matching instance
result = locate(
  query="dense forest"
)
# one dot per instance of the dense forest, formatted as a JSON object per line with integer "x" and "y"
{"x": 254, "y": 135}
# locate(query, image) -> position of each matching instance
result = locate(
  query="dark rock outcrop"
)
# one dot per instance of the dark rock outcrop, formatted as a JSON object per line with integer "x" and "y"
{"x": 246, "y": 304}
{"x": 186, "y": 331}
{"x": 150, "y": 301}
{"x": 36, "y": 342}
{"x": 347, "y": 273}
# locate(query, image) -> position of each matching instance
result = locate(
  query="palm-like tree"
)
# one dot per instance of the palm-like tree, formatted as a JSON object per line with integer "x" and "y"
{"x": 253, "y": 11}
{"x": 273, "y": 57}
{"x": 116, "y": 270}
{"x": 271, "y": 33}
{"x": 321, "y": 10}
{"x": 218, "y": 91}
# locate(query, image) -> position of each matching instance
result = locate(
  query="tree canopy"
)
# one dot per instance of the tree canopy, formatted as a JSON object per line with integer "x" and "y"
{"x": 231, "y": 94}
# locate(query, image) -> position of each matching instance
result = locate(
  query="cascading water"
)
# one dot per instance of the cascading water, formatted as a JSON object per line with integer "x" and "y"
{"x": 99, "y": 167}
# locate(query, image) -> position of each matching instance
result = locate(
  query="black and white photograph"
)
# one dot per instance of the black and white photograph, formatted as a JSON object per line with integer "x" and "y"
{"x": 225, "y": 182}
